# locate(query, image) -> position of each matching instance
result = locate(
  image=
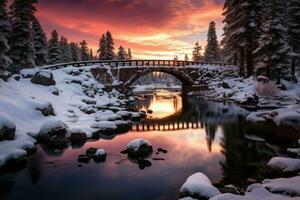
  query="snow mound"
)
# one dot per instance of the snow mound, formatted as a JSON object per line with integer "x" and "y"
{"x": 104, "y": 125}
{"x": 286, "y": 186}
{"x": 198, "y": 186}
{"x": 6, "y": 121}
{"x": 285, "y": 164}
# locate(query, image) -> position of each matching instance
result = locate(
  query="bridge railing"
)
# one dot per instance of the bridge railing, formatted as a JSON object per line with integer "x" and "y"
{"x": 127, "y": 63}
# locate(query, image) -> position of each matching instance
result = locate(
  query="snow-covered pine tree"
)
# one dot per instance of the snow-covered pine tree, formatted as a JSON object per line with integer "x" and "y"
{"x": 84, "y": 50}
{"x": 102, "y": 48}
{"x": 5, "y": 61}
{"x": 241, "y": 31}
{"x": 197, "y": 52}
{"x": 186, "y": 57}
{"x": 129, "y": 54}
{"x": 294, "y": 35}
{"x": 121, "y": 55}
{"x": 272, "y": 53}
{"x": 75, "y": 52}
{"x": 39, "y": 43}
{"x": 229, "y": 42}
{"x": 65, "y": 49}
{"x": 21, "y": 44}
{"x": 110, "y": 55}
{"x": 54, "y": 53}
{"x": 212, "y": 51}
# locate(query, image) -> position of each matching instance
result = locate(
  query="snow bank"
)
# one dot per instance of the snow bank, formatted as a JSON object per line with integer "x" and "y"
{"x": 23, "y": 101}
{"x": 6, "y": 121}
{"x": 198, "y": 186}
{"x": 285, "y": 164}
{"x": 286, "y": 186}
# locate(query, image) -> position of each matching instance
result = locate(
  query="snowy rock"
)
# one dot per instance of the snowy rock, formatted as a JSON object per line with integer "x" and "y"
{"x": 7, "y": 127}
{"x": 27, "y": 73}
{"x": 285, "y": 186}
{"x": 139, "y": 148}
{"x": 123, "y": 126}
{"x": 198, "y": 186}
{"x": 46, "y": 109}
{"x": 105, "y": 127}
{"x": 77, "y": 134}
{"x": 43, "y": 78}
{"x": 53, "y": 130}
{"x": 124, "y": 114}
{"x": 100, "y": 155}
{"x": 110, "y": 117}
{"x": 136, "y": 117}
{"x": 283, "y": 122}
{"x": 285, "y": 164}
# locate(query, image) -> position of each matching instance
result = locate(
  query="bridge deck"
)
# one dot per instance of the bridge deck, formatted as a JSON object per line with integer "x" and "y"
{"x": 116, "y": 63}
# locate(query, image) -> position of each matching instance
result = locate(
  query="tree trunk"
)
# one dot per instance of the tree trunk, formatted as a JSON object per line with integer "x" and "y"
{"x": 242, "y": 61}
{"x": 250, "y": 67}
{"x": 235, "y": 59}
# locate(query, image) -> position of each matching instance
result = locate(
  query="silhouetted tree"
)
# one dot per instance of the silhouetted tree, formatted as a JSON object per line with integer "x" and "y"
{"x": 102, "y": 48}
{"x": 110, "y": 55}
{"x": 129, "y": 55}
{"x": 21, "y": 46}
{"x": 84, "y": 50}
{"x": 121, "y": 55}
{"x": 75, "y": 52}
{"x": 5, "y": 61}
{"x": 294, "y": 31}
{"x": 212, "y": 51}
{"x": 39, "y": 43}
{"x": 54, "y": 52}
{"x": 186, "y": 57}
{"x": 65, "y": 49}
{"x": 197, "y": 52}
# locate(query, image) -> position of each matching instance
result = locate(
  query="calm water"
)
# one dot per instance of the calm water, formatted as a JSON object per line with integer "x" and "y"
{"x": 199, "y": 136}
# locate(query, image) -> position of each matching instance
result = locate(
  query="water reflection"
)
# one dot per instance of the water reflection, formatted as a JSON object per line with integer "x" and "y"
{"x": 161, "y": 104}
{"x": 199, "y": 136}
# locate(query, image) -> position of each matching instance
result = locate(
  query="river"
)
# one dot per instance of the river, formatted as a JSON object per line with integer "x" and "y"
{"x": 199, "y": 136}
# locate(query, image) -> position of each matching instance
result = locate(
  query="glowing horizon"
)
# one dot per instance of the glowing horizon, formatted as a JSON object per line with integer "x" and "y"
{"x": 152, "y": 29}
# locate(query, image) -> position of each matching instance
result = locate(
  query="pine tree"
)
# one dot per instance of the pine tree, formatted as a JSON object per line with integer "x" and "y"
{"x": 197, "y": 52}
{"x": 102, "y": 48}
{"x": 121, "y": 55}
{"x": 75, "y": 52}
{"x": 91, "y": 54}
{"x": 65, "y": 49}
{"x": 110, "y": 55}
{"x": 212, "y": 51}
{"x": 40, "y": 43}
{"x": 186, "y": 57}
{"x": 229, "y": 43}
{"x": 273, "y": 49}
{"x": 5, "y": 61}
{"x": 129, "y": 55}
{"x": 84, "y": 50}
{"x": 241, "y": 31}
{"x": 20, "y": 41}
{"x": 294, "y": 34}
{"x": 54, "y": 52}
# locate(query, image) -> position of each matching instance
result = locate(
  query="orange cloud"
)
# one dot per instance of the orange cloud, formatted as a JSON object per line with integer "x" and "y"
{"x": 152, "y": 29}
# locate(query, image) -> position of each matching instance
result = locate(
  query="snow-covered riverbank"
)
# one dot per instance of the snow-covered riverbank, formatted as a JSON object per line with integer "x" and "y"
{"x": 75, "y": 98}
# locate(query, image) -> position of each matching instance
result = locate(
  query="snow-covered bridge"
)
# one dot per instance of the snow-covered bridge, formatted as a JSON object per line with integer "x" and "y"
{"x": 122, "y": 74}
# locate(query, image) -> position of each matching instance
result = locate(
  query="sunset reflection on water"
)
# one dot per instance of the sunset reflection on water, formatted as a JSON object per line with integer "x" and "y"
{"x": 209, "y": 147}
{"x": 162, "y": 104}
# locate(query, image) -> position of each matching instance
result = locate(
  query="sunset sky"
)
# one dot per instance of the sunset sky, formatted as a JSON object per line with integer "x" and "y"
{"x": 153, "y": 29}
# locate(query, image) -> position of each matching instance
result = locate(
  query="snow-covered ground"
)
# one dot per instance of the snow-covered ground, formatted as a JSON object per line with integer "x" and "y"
{"x": 77, "y": 99}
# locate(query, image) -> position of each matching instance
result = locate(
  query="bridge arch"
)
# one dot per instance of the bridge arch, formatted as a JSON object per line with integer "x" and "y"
{"x": 184, "y": 78}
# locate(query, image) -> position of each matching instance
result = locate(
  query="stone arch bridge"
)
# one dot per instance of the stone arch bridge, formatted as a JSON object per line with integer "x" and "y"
{"x": 122, "y": 74}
